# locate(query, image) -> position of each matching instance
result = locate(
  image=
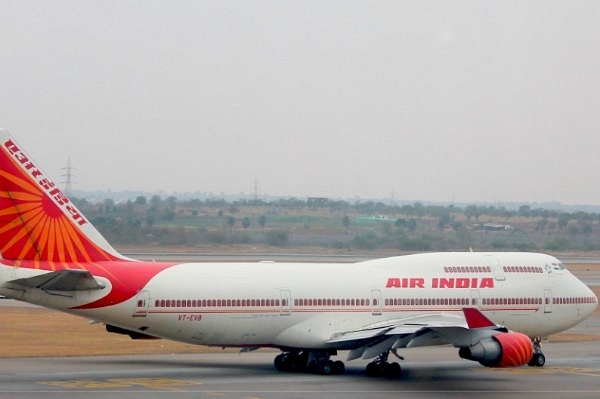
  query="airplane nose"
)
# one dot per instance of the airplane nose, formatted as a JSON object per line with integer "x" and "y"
{"x": 590, "y": 300}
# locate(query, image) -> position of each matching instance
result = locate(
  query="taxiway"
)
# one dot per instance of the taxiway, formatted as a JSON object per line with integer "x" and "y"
{"x": 572, "y": 370}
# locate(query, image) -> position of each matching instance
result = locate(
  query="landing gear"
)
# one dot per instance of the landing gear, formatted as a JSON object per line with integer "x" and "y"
{"x": 538, "y": 359}
{"x": 381, "y": 368}
{"x": 317, "y": 362}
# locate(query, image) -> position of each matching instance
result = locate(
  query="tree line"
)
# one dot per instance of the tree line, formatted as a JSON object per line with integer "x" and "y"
{"x": 340, "y": 225}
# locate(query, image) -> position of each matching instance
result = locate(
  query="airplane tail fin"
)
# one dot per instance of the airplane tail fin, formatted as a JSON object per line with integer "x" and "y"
{"x": 38, "y": 223}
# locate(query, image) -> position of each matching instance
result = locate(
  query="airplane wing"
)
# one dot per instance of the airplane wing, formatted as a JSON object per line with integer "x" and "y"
{"x": 58, "y": 281}
{"x": 425, "y": 330}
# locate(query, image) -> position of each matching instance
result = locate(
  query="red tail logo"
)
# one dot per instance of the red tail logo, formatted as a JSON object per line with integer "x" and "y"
{"x": 37, "y": 221}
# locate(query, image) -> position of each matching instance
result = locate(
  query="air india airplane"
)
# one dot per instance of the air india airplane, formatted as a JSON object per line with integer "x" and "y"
{"x": 494, "y": 307}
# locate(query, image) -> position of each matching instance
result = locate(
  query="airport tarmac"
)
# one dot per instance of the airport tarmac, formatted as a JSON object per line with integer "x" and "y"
{"x": 572, "y": 370}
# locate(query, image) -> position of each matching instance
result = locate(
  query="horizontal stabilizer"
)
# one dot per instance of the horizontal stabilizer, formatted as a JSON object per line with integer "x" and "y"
{"x": 62, "y": 280}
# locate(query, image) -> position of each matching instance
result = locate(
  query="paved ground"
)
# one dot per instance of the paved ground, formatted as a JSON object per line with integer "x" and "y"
{"x": 572, "y": 370}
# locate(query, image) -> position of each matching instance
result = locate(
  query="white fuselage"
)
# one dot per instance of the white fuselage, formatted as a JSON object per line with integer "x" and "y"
{"x": 300, "y": 305}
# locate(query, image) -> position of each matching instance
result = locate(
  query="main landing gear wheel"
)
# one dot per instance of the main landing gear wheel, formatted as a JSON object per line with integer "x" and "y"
{"x": 329, "y": 367}
{"x": 339, "y": 367}
{"x": 316, "y": 362}
{"x": 381, "y": 368}
{"x": 538, "y": 359}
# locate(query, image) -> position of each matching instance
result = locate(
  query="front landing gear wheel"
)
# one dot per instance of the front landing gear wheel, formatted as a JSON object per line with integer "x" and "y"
{"x": 538, "y": 359}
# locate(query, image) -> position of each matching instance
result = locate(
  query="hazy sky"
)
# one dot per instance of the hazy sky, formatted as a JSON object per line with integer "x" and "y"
{"x": 429, "y": 100}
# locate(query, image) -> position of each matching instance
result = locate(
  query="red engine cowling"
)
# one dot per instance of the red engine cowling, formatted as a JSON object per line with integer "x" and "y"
{"x": 509, "y": 349}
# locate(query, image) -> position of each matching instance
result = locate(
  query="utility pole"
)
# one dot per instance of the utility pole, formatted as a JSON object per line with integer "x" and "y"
{"x": 68, "y": 178}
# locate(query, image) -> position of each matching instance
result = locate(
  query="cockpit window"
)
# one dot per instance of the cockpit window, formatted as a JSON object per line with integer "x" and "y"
{"x": 561, "y": 266}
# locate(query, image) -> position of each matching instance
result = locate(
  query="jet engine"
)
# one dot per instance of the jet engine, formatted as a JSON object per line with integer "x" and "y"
{"x": 509, "y": 349}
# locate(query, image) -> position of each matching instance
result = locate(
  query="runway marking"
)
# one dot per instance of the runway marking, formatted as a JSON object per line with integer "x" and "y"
{"x": 550, "y": 370}
{"x": 84, "y": 384}
{"x": 114, "y": 383}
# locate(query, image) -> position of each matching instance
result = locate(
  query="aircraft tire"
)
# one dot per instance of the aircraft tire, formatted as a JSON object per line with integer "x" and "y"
{"x": 279, "y": 362}
{"x": 537, "y": 360}
{"x": 326, "y": 367}
{"x": 371, "y": 369}
{"x": 393, "y": 370}
{"x": 338, "y": 367}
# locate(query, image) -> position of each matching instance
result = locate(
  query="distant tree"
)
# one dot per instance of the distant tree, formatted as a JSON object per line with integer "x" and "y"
{"x": 444, "y": 220}
{"x": 541, "y": 224}
{"x": 472, "y": 211}
{"x": 262, "y": 221}
{"x": 573, "y": 230}
{"x": 412, "y": 225}
{"x": 155, "y": 204}
{"x": 525, "y": 211}
{"x": 171, "y": 202}
{"x": 367, "y": 240}
{"x": 141, "y": 200}
{"x": 419, "y": 209}
{"x": 346, "y": 222}
{"x": 231, "y": 222}
{"x": 109, "y": 205}
{"x": 277, "y": 238}
{"x": 563, "y": 220}
{"x": 220, "y": 215}
{"x": 150, "y": 220}
{"x": 586, "y": 229}
{"x": 407, "y": 210}
{"x": 246, "y": 222}
{"x": 456, "y": 225}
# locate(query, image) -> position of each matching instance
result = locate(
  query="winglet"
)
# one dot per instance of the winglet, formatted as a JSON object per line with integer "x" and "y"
{"x": 476, "y": 319}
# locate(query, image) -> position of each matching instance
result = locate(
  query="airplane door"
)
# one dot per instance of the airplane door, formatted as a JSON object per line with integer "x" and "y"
{"x": 286, "y": 302}
{"x": 475, "y": 300}
{"x": 547, "y": 301}
{"x": 496, "y": 267}
{"x": 377, "y": 303}
{"x": 142, "y": 304}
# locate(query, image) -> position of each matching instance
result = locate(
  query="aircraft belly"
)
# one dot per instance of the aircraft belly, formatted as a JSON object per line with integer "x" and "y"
{"x": 310, "y": 331}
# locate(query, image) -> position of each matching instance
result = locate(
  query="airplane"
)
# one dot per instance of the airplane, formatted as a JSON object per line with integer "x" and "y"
{"x": 495, "y": 307}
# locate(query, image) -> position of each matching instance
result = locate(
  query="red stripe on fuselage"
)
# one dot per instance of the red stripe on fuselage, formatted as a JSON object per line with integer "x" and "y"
{"x": 127, "y": 279}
